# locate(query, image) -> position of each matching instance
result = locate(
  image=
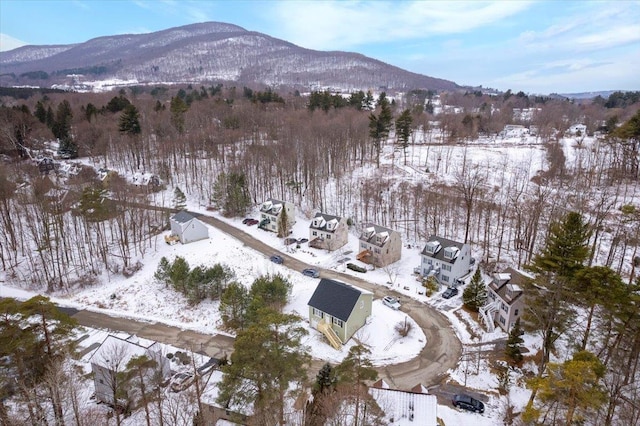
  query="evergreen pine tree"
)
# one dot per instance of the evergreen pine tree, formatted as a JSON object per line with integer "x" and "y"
{"x": 325, "y": 379}
{"x": 283, "y": 223}
{"x": 513, "y": 349}
{"x": 475, "y": 295}
{"x": 179, "y": 199}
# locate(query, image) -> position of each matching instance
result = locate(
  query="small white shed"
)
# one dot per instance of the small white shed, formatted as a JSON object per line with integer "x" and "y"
{"x": 188, "y": 228}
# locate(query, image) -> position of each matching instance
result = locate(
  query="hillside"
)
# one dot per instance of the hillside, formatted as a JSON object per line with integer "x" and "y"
{"x": 205, "y": 52}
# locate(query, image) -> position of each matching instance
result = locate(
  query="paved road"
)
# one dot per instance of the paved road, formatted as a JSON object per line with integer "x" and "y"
{"x": 443, "y": 347}
{"x": 442, "y": 351}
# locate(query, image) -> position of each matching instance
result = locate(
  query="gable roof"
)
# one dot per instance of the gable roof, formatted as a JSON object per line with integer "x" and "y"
{"x": 509, "y": 280}
{"x": 407, "y": 408}
{"x": 370, "y": 237}
{"x": 444, "y": 244}
{"x": 335, "y": 298}
{"x": 268, "y": 206}
{"x": 327, "y": 218}
{"x": 115, "y": 352}
{"x": 183, "y": 216}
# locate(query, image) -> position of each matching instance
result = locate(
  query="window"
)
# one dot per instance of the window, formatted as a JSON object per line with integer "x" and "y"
{"x": 445, "y": 278}
{"x": 377, "y": 251}
{"x": 504, "y": 307}
{"x": 264, "y": 216}
{"x": 337, "y": 322}
{"x": 318, "y": 313}
{"x": 315, "y": 233}
{"x": 328, "y": 237}
{"x": 363, "y": 246}
{"x": 446, "y": 267}
{"x": 502, "y": 320}
{"x": 515, "y": 313}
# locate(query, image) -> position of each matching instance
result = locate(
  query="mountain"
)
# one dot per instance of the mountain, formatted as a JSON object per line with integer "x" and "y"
{"x": 205, "y": 52}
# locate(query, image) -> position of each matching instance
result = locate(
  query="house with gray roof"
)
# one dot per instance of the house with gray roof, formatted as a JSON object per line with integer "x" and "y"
{"x": 187, "y": 228}
{"x": 328, "y": 232}
{"x": 505, "y": 302}
{"x": 271, "y": 214}
{"x": 446, "y": 260}
{"x": 379, "y": 246}
{"x": 338, "y": 310}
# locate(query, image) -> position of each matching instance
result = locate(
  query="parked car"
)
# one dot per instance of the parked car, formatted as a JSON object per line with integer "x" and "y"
{"x": 303, "y": 240}
{"x": 356, "y": 268}
{"x": 468, "y": 403}
{"x": 252, "y": 222}
{"x": 244, "y": 221}
{"x": 289, "y": 241}
{"x": 276, "y": 259}
{"x": 310, "y": 272}
{"x": 391, "y": 302}
{"x": 181, "y": 381}
{"x": 450, "y": 292}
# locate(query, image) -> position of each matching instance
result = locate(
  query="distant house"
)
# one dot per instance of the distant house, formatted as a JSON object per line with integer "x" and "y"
{"x": 187, "y": 228}
{"x": 402, "y": 408}
{"x": 328, "y": 232}
{"x": 506, "y": 299}
{"x": 46, "y": 165}
{"x": 338, "y": 310}
{"x": 446, "y": 260}
{"x": 271, "y": 215}
{"x": 577, "y": 130}
{"x": 379, "y": 246}
{"x": 110, "y": 360}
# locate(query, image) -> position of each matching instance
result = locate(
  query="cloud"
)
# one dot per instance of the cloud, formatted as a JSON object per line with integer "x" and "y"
{"x": 339, "y": 25}
{"x": 8, "y": 43}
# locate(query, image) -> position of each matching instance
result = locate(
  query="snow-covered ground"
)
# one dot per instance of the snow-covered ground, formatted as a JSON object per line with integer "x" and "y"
{"x": 142, "y": 298}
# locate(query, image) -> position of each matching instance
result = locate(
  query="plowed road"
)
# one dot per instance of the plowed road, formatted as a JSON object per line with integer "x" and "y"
{"x": 441, "y": 352}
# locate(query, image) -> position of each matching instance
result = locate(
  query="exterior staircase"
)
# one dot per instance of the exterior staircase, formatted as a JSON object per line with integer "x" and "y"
{"x": 331, "y": 335}
{"x": 486, "y": 312}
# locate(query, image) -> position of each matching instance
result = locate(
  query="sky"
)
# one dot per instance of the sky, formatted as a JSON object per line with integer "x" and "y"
{"x": 534, "y": 46}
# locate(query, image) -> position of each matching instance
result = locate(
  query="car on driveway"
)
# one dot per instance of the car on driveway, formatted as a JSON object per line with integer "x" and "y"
{"x": 391, "y": 302}
{"x": 468, "y": 403}
{"x": 310, "y": 272}
{"x": 276, "y": 259}
{"x": 252, "y": 222}
{"x": 450, "y": 292}
{"x": 181, "y": 381}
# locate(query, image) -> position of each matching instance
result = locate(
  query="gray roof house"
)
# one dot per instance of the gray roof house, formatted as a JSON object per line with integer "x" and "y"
{"x": 271, "y": 215}
{"x": 446, "y": 260}
{"x": 187, "y": 228}
{"x": 328, "y": 232}
{"x": 379, "y": 246}
{"x": 404, "y": 408}
{"x": 506, "y": 302}
{"x": 111, "y": 358}
{"x": 339, "y": 310}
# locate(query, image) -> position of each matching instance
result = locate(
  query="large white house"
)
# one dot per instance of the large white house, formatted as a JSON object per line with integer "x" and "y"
{"x": 271, "y": 215}
{"x": 446, "y": 260}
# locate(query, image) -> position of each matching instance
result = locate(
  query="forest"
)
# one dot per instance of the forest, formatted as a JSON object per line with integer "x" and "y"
{"x": 71, "y": 213}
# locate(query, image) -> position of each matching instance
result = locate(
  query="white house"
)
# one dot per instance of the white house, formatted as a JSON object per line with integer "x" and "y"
{"x": 111, "y": 359}
{"x": 187, "y": 228}
{"x": 446, "y": 260}
{"x": 271, "y": 214}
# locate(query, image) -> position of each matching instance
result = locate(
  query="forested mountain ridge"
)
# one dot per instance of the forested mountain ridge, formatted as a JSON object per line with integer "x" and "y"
{"x": 205, "y": 52}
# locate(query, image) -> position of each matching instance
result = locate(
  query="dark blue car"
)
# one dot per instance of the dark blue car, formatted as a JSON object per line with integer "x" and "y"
{"x": 276, "y": 259}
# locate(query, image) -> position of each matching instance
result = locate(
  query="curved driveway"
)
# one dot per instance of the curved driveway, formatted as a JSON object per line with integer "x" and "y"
{"x": 443, "y": 347}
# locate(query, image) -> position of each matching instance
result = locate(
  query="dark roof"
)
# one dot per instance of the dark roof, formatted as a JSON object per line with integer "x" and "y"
{"x": 444, "y": 243}
{"x": 335, "y": 298}
{"x": 500, "y": 288}
{"x": 377, "y": 230}
{"x": 327, "y": 218}
{"x": 183, "y": 216}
